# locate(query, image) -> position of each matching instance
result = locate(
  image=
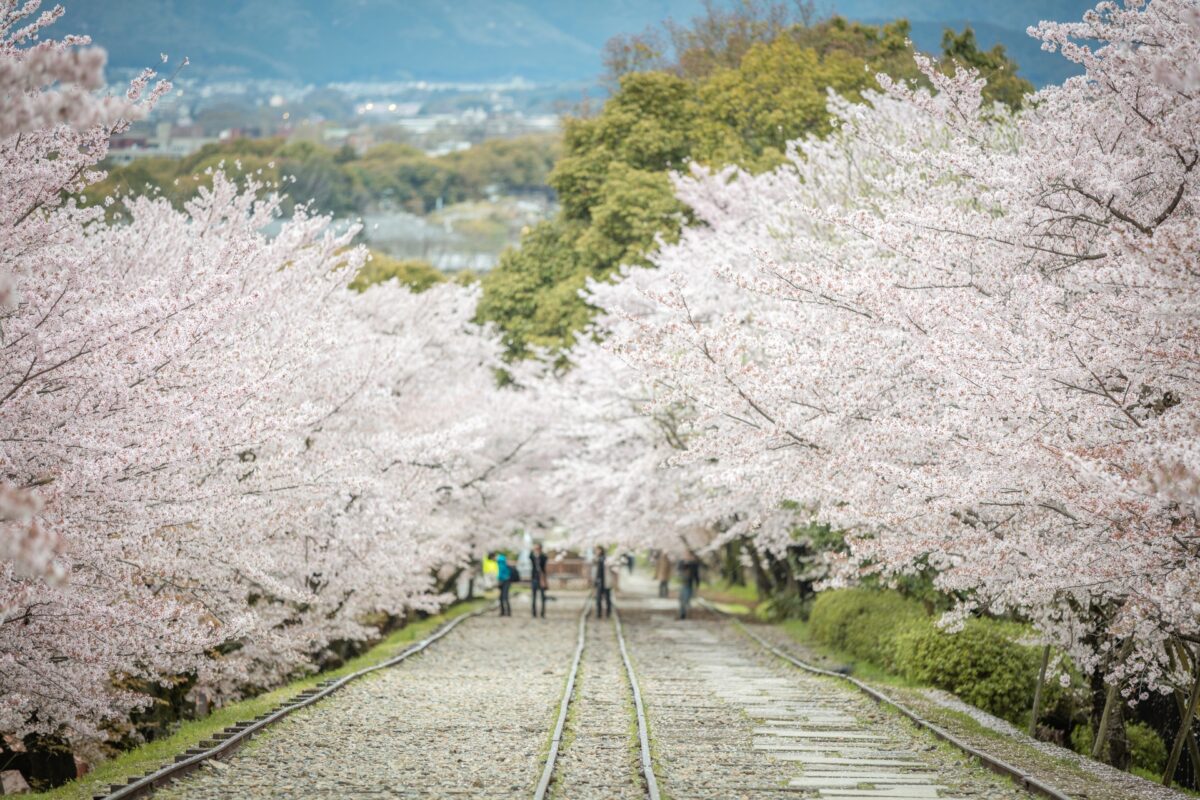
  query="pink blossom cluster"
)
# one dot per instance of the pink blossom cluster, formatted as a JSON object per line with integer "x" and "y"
{"x": 966, "y": 337}
{"x": 215, "y": 458}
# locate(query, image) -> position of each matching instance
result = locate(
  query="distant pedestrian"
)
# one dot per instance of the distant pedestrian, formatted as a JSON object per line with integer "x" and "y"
{"x": 504, "y": 574}
{"x": 689, "y": 574}
{"x": 629, "y": 561}
{"x": 662, "y": 573}
{"x": 537, "y": 578}
{"x": 602, "y": 584}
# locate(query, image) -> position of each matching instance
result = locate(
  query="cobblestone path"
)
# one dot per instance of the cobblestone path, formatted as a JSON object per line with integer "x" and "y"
{"x": 468, "y": 718}
{"x": 730, "y": 721}
{"x": 599, "y": 759}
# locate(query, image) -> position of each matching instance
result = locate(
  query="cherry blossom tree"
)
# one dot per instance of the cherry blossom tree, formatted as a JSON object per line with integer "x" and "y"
{"x": 47, "y": 110}
{"x": 967, "y": 337}
{"x": 217, "y": 460}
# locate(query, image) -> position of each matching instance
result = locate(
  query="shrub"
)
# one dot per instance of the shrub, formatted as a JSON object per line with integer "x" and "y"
{"x": 1147, "y": 749}
{"x": 863, "y": 622}
{"x": 982, "y": 664}
{"x": 1082, "y": 739}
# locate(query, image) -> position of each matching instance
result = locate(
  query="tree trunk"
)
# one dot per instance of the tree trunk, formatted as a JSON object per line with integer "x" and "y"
{"x": 1110, "y": 703}
{"x": 1185, "y": 728}
{"x": 731, "y": 563}
{"x": 761, "y": 581}
{"x": 1120, "y": 755}
{"x": 450, "y": 582}
{"x": 789, "y": 564}
{"x": 1193, "y": 750}
{"x": 1037, "y": 691}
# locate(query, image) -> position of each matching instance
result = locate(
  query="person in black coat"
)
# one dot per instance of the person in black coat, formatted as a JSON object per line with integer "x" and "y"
{"x": 601, "y": 583}
{"x": 537, "y": 578}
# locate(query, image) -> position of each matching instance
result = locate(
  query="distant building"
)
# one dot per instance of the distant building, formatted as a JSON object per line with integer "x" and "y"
{"x": 170, "y": 140}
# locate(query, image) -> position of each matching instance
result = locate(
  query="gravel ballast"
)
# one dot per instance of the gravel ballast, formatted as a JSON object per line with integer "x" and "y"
{"x": 472, "y": 716}
{"x": 598, "y": 760}
{"x": 467, "y": 718}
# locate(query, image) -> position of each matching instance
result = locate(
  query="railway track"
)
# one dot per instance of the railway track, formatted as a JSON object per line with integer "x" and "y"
{"x": 232, "y": 738}
{"x": 648, "y": 780}
{"x": 693, "y": 676}
{"x": 227, "y": 742}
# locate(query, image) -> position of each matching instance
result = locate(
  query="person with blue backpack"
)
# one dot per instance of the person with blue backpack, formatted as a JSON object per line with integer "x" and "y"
{"x": 506, "y": 574}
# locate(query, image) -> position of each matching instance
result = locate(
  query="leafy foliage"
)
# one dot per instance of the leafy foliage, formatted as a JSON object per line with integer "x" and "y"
{"x": 863, "y": 623}
{"x": 1003, "y": 83}
{"x": 415, "y": 273}
{"x": 982, "y": 664}
{"x": 1147, "y": 748}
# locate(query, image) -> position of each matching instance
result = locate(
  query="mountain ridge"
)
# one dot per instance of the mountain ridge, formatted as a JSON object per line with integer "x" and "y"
{"x": 470, "y": 40}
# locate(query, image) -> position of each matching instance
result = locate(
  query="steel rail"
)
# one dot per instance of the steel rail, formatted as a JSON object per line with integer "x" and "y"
{"x": 997, "y": 765}
{"x": 556, "y": 738}
{"x": 643, "y": 732}
{"x": 237, "y": 735}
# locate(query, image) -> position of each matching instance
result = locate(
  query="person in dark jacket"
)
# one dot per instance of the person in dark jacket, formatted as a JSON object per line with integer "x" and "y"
{"x": 689, "y": 575}
{"x": 537, "y": 578}
{"x": 504, "y": 575}
{"x": 601, "y": 583}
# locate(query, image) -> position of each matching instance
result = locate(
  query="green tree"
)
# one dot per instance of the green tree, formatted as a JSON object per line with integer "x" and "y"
{"x": 1003, "y": 83}
{"x": 744, "y": 83}
{"x": 414, "y": 273}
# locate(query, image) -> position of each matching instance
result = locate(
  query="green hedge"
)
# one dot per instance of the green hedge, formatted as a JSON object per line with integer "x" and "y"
{"x": 982, "y": 664}
{"x": 863, "y": 623}
{"x": 1147, "y": 750}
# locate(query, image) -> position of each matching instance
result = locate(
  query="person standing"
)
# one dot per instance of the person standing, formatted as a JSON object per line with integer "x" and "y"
{"x": 601, "y": 583}
{"x": 537, "y": 578}
{"x": 689, "y": 573}
{"x": 504, "y": 575}
{"x": 662, "y": 572}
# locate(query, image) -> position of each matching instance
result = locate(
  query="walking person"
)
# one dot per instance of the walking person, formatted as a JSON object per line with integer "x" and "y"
{"x": 537, "y": 578}
{"x": 601, "y": 583}
{"x": 504, "y": 574}
{"x": 662, "y": 573}
{"x": 689, "y": 573}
